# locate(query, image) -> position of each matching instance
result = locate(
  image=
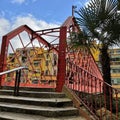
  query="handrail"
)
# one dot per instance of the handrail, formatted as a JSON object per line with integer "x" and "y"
{"x": 13, "y": 70}
{"x": 17, "y": 79}
{"x": 100, "y": 98}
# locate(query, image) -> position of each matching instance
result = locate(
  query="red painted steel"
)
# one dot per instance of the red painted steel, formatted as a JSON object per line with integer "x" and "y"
{"x": 61, "y": 59}
{"x": 9, "y": 46}
{"x": 74, "y": 67}
{"x": 89, "y": 88}
{"x": 85, "y": 79}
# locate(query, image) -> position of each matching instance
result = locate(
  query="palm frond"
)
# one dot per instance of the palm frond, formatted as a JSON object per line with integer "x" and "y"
{"x": 101, "y": 14}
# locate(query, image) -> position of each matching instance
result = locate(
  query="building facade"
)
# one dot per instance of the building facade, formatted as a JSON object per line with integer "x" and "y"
{"x": 115, "y": 64}
{"x": 41, "y": 64}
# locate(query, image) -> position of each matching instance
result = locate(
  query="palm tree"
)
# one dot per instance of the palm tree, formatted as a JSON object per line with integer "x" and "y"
{"x": 100, "y": 19}
{"x": 118, "y": 4}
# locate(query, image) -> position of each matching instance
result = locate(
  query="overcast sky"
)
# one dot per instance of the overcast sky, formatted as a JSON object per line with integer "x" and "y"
{"x": 37, "y": 14}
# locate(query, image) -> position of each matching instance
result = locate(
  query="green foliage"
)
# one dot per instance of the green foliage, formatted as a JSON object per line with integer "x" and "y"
{"x": 101, "y": 21}
{"x": 81, "y": 40}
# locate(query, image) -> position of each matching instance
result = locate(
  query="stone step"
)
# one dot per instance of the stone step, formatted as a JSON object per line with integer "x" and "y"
{"x": 19, "y": 116}
{"x": 34, "y": 94}
{"x": 30, "y": 89}
{"x": 38, "y": 110}
{"x": 53, "y": 102}
{"x": 36, "y": 102}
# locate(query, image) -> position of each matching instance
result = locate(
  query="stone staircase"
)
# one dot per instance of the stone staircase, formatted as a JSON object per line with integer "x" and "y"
{"x": 36, "y": 104}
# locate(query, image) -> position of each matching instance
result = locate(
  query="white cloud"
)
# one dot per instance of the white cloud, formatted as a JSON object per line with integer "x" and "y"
{"x": 18, "y": 1}
{"x": 22, "y": 1}
{"x": 32, "y": 22}
{"x": 29, "y": 20}
{"x": 4, "y": 26}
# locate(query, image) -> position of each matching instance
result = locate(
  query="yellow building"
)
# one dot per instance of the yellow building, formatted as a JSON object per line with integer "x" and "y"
{"x": 115, "y": 64}
{"x": 42, "y": 65}
{"x": 96, "y": 55}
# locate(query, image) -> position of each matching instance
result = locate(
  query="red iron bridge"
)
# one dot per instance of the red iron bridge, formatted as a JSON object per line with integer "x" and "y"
{"x": 54, "y": 64}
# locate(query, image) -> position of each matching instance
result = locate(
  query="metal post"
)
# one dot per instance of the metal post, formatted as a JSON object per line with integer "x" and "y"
{"x": 18, "y": 86}
{"x": 73, "y": 9}
{"x": 17, "y": 83}
{"x": 61, "y": 60}
{"x": 16, "y": 80}
{"x": 3, "y": 57}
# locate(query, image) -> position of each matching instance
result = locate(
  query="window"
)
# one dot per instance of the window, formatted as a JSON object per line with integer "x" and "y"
{"x": 55, "y": 62}
{"x": 40, "y": 55}
{"x": 24, "y": 52}
{"x": 115, "y": 63}
{"x": 115, "y": 59}
{"x": 116, "y": 81}
{"x": 46, "y": 72}
{"x": 55, "y": 73}
{"x": 111, "y": 52}
{"x": 36, "y": 63}
{"x": 47, "y": 63}
{"x": 118, "y": 51}
{"x": 115, "y": 70}
{"x": 24, "y": 59}
{"x": 47, "y": 56}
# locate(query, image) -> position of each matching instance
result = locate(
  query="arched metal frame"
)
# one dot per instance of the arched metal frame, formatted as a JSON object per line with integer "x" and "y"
{"x": 76, "y": 68}
{"x": 61, "y": 49}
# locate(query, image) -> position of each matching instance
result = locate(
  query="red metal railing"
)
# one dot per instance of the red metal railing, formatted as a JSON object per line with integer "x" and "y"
{"x": 46, "y": 55}
{"x": 84, "y": 78}
{"x": 25, "y": 47}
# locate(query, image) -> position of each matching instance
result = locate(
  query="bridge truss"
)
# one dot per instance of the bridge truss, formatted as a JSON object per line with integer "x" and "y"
{"x": 52, "y": 63}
